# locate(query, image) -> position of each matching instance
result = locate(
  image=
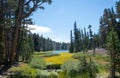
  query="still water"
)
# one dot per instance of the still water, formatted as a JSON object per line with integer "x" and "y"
{"x": 59, "y": 51}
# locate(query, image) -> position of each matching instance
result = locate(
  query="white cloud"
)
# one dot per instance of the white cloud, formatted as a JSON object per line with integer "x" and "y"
{"x": 46, "y": 32}
{"x": 39, "y": 29}
{"x": 60, "y": 40}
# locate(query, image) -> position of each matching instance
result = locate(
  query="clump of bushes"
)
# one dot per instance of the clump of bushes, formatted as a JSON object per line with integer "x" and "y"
{"x": 81, "y": 54}
{"x": 70, "y": 67}
{"x": 26, "y": 71}
{"x": 81, "y": 68}
{"x": 23, "y": 71}
{"x": 37, "y": 62}
{"x": 46, "y": 74}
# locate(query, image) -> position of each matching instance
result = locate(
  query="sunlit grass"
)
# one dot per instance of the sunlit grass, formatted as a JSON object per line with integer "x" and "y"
{"x": 20, "y": 67}
{"x": 23, "y": 70}
{"x": 60, "y": 59}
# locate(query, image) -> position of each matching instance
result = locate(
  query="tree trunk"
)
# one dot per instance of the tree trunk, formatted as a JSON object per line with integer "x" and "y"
{"x": 2, "y": 36}
{"x": 18, "y": 22}
{"x": 112, "y": 70}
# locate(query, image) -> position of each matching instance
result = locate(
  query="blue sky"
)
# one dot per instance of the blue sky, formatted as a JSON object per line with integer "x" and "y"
{"x": 58, "y": 19}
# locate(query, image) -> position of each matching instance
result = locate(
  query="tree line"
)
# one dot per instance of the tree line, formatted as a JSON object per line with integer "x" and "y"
{"x": 108, "y": 37}
{"x": 46, "y": 44}
{"x": 83, "y": 39}
{"x": 15, "y": 39}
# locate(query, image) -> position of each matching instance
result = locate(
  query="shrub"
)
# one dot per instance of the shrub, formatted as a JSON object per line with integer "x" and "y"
{"x": 23, "y": 71}
{"x": 80, "y": 55}
{"x": 81, "y": 67}
{"x": 46, "y": 74}
{"x": 53, "y": 75}
{"x": 70, "y": 67}
{"x": 63, "y": 75}
{"x": 92, "y": 69}
{"x": 38, "y": 62}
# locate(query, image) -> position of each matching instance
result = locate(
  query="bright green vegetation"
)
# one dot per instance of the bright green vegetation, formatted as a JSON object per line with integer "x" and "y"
{"x": 37, "y": 62}
{"x": 23, "y": 71}
{"x": 77, "y": 65}
{"x": 26, "y": 71}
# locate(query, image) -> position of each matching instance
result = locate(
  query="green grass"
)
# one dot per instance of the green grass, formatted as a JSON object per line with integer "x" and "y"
{"x": 23, "y": 71}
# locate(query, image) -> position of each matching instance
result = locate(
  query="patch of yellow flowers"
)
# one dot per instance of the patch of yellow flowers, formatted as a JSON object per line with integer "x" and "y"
{"x": 63, "y": 57}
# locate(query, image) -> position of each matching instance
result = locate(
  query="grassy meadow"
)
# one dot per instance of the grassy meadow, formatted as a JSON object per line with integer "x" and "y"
{"x": 37, "y": 67}
{"x": 59, "y": 59}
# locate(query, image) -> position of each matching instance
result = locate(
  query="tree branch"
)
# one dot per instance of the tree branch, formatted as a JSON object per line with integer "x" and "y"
{"x": 27, "y": 2}
{"x": 35, "y": 6}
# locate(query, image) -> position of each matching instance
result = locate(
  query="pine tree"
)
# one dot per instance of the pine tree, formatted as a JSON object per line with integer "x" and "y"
{"x": 71, "y": 49}
{"x": 118, "y": 17}
{"x": 102, "y": 33}
{"x": 90, "y": 37}
{"x": 76, "y": 38}
{"x": 94, "y": 43}
{"x": 111, "y": 19}
{"x": 108, "y": 20}
{"x": 113, "y": 46}
{"x": 36, "y": 42}
{"x": 85, "y": 41}
{"x": 80, "y": 40}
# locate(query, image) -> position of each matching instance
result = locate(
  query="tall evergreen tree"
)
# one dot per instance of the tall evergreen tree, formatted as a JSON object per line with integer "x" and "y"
{"x": 118, "y": 17}
{"x": 90, "y": 36}
{"x": 94, "y": 43}
{"x": 102, "y": 33}
{"x": 110, "y": 24}
{"x": 76, "y": 38}
{"x": 85, "y": 41}
{"x": 113, "y": 46}
{"x": 71, "y": 48}
{"x": 36, "y": 39}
